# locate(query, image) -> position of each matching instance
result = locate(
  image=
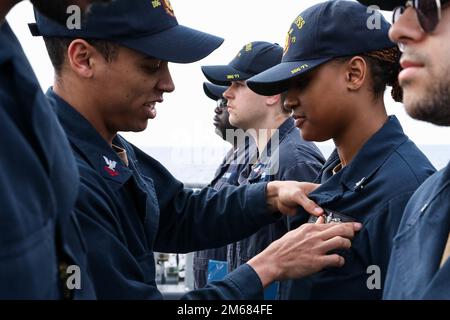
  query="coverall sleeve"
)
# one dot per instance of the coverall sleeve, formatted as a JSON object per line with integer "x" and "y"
{"x": 191, "y": 221}
{"x": 118, "y": 274}
{"x": 241, "y": 284}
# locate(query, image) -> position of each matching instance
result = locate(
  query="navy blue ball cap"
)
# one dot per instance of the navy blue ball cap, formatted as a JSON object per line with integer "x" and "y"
{"x": 252, "y": 59}
{"x": 147, "y": 26}
{"x": 383, "y": 4}
{"x": 319, "y": 34}
{"x": 214, "y": 91}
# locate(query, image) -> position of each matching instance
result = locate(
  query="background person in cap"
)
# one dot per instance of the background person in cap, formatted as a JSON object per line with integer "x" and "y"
{"x": 227, "y": 174}
{"x": 221, "y": 120}
{"x": 419, "y": 267}
{"x": 38, "y": 234}
{"x": 109, "y": 76}
{"x": 282, "y": 153}
{"x": 336, "y": 78}
{"x": 242, "y": 151}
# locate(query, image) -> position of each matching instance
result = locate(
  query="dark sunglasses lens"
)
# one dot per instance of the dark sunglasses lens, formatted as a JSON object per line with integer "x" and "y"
{"x": 427, "y": 13}
{"x": 397, "y": 13}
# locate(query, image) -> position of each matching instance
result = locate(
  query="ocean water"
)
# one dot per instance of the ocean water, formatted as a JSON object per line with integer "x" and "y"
{"x": 197, "y": 165}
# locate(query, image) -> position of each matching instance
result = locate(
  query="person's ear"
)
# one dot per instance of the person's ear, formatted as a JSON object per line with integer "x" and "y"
{"x": 80, "y": 56}
{"x": 273, "y": 100}
{"x": 355, "y": 73}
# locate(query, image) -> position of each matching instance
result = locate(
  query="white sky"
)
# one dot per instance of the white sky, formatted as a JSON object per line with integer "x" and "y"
{"x": 185, "y": 117}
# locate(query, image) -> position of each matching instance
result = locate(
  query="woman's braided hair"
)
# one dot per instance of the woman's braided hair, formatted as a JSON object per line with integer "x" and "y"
{"x": 385, "y": 68}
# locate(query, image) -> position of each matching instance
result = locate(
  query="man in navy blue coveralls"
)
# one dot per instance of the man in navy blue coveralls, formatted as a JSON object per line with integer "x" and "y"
{"x": 282, "y": 153}
{"x": 419, "y": 267}
{"x": 227, "y": 174}
{"x": 39, "y": 235}
{"x": 110, "y": 75}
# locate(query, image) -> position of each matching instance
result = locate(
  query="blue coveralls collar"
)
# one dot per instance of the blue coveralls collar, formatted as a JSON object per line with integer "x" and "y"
{"x": 371, "y": 156}
{"x": 285, "y": 128}
{"x": 90, "y": 143}
{"x": 283, "y": 131}
{"x": 263, "y": 159}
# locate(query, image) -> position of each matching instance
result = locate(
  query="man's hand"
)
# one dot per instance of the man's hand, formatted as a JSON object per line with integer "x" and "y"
{"x": 287, "y": 196}
{"x": 303, "y": 251}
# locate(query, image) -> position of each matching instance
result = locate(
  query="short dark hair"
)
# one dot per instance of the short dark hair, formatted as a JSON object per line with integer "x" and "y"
{"x": 57, "y": 50}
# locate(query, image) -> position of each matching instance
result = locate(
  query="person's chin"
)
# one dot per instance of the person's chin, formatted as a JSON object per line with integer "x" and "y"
{"x": 140, "y": 127}
{"x": 412, "y": 99}
{"x": 308, "y": 136}
{"x": 234, "y": 122}
{"x": 311, "y": 135}
{"x": 219, "y": 132}
{"x": 414, "y": 89}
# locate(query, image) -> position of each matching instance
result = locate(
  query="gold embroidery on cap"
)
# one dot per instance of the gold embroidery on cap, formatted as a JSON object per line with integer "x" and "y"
{"x": 299, "y": 22}
{"x": 156, "y": 3}
{"x": 290, "y": 39}
{"x": 233, "y": 76}
{"x": 287, "y": 44}
{"x": 297, "y": 70}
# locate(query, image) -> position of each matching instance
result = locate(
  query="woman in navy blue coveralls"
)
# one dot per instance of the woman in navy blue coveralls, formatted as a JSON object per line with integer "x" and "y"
{"x": 336, "y": 92}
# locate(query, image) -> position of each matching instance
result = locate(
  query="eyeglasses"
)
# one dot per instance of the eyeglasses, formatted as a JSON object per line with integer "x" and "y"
{"x": 428, "y": 12}
{"x": 222, "y": 103}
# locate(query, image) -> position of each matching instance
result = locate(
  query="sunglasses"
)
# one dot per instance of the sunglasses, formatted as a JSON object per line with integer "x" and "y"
{"x": 428, "y": 12}
{"x": 222, "y": 103}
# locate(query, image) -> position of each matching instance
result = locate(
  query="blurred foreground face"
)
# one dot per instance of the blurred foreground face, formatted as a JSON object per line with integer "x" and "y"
{"x": 57, "y": 9}
{"x": 425, "y": 78}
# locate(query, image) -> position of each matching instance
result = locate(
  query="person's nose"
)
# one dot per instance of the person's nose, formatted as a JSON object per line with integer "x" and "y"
{"x": 165, "y": 83}
{"x": 407, "y": 28}
{"x": 228, "y": 94}
{"x": 291, "y": 101}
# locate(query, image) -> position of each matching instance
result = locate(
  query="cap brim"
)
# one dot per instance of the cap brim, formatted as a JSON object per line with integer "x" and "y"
{"x": 224, "y": 75}
{"x": 213, "y": 91}
{"x": 178, "y": 44}
{"x": 383, "y": 4}
{"x": 276, "y": 79}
